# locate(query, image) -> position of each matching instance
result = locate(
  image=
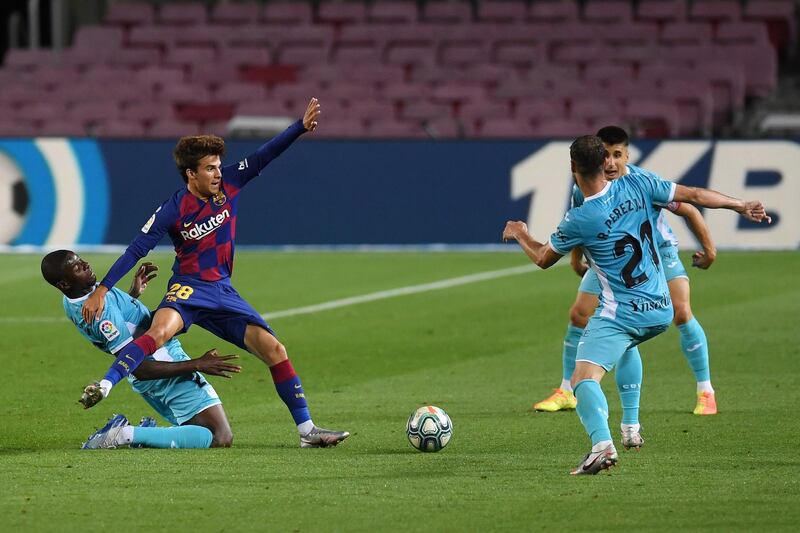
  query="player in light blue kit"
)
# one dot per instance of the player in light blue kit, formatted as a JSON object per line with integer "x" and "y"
{"x": 615, "y": 228}
{"x": 169, "y": 380}
{"x": 692, "y": 336}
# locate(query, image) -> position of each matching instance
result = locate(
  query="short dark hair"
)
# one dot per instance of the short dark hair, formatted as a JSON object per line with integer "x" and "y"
{"x": 190, "y": 150}
{"x": 613, "y": 135}
{"x": 588, "y": 154}
{"x": 53, "y": 265}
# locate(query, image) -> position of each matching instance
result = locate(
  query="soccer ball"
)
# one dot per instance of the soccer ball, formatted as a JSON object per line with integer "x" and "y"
{"x": 429, "y": 429}
{"x": 13, "y": 199}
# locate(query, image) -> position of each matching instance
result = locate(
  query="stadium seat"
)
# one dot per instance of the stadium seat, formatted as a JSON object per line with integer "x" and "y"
{"x": 147, "y": 111}
{"x": 553, "y": 11}
{"x": 608, "y": 73}
{"x": 235, "y": 14}
{"x": 288, "y": 13}
{"x": 238, "y": 56}
{"x": 98, "y": 37}
{"x": 346, "y": 128}
{"x": 134, "y": 57}
{"x": 497, "y": 128}
{"x": 695, "y": 102}
{"x": 183, "y": 93}
{"x": 425, "y": 110}
{"x": 183, "y": 13}
{"x": 636, "y": 35}
{"x": 779, "y": 15}
{"x": 171, "y": 128}
{"x": 238, "y": 91}
{"x": 397, "y": 129}
{"x": 715, "y": 11}
{"x": 250, "y": 35}
{"x": 503, "y": 12}
{"x": 608, "y": 11}
{"x": 444, "y": 12}
{"x": 653, "y": 118}
{"x": 341, "y": 13}
{"x": 408, "y": 53}
{"x": 43, "y": 110}
{"x": 444, "y": 128}
{"x": 119, "y": 128}
{"x": 661, "y": 11}
{"x": 567, "y": 128}
{"x": 129, "y": 14}
{"x": 184, "y": 57}
{"x": 94, "y": 111}
{"x": 742, "y": 33}
{"x": 18, "y": 128}
{"x": 592, "y": 108}
{"x": 405, "y": 92}
{"x": 684, "y": 33}
{"x": 458, "y": 93}
{"x": 212, "y": 36}
{"x": 159, "y": 37}
{"x": 376, "y": 74}
{"x": 519, "y": 54}
{"x": 463, "y": 52}
{"x": 392, "y": 12}
{"x": 60, "y": 127}
{"x": 322, "y": 72}
{"x": 51, "y": 76}
{"x": 541, "y": 108}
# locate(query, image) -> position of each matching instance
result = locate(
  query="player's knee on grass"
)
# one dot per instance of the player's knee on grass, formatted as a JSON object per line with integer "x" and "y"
{"x": 222, "y": 438}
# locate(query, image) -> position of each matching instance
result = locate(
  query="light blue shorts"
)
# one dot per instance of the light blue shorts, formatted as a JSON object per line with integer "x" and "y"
{"x": 178, "y": 399}
{"x": 604, "y": 341}
{"x": 673, "y": 267}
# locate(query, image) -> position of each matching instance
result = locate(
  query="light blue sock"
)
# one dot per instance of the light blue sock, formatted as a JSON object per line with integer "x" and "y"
{"x": 695, "y": 348}
{"x": 570, "y": 350}
{"x": 172, "y": 437}
{"x": 629, "y": 384}
{"x": 593, "y": 410}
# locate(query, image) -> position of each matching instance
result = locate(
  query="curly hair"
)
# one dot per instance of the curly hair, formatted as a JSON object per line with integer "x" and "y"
{"x": 190, "y": 150}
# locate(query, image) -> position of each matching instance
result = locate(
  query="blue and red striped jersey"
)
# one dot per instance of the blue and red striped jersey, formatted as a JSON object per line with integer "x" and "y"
{"x": 201, "y": 231}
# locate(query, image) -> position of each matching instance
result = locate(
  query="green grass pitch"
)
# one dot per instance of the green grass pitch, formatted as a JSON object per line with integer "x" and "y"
{"x": 483, "y": 351}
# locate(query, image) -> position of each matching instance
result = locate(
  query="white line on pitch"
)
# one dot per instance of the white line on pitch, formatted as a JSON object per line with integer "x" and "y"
{"x": 401, "y": 291}
{"x": 343, "y": 302}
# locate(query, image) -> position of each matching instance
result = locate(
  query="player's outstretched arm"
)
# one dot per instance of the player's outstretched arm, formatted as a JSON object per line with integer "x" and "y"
{"x": 211, "y": 363}
{"x": 144, "y": 274}
{"x": 539, "y": 253}
{"x": 697, "y": 225}
{"x": 751, "y": 210}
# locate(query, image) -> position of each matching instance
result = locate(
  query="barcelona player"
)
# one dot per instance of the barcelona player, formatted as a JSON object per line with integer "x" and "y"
{"x": 200, "y": 219}
{"x": 614, "y": 226}
{"x": 168, "y": 380}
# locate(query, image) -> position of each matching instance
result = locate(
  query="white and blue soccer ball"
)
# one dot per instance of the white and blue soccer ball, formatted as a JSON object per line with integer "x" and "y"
{"x": 429, "y": 429}
{"x": 13, "y": 199}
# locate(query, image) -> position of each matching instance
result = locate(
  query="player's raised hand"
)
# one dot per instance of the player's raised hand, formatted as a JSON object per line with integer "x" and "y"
{"x": 214, "y": 364}
{"x": 755, "y": 211}
{"x": 311, "y": 115}
{"x": 145, "y": 273}
{"x": 92, "y": 394}
{"x": 513, "y": 229}
{"x": 93, "y": 306}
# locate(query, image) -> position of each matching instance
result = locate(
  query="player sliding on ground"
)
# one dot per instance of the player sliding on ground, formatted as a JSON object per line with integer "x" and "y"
{"x": 168, "y": 380}
{"x": 200, "y": 219}
{"x": 614, "y": 227}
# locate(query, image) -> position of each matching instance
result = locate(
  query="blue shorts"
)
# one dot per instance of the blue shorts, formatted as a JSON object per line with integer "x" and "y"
{"x": 673, "y": 267}
{"x": 178, "y": 399}
{"x": 604, "y": 341}
{"x": 214, "y": 306}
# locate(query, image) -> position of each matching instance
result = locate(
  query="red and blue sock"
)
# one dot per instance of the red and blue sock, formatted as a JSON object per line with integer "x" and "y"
{"x": 289, "y": 388}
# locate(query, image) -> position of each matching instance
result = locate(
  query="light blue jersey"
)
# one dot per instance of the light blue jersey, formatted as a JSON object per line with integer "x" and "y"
{"x": 615, "y": 230}
{"x": 665, "y": 237}
{"x": 124, "y": 318}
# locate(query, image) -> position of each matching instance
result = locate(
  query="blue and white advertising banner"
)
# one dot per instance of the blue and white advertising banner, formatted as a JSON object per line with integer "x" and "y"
{"x": 70, "y": 192}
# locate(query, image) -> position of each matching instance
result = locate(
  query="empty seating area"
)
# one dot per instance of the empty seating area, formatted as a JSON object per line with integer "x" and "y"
{"x": 403, "y": 69}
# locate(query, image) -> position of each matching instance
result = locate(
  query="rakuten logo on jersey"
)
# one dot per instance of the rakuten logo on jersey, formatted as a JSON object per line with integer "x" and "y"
{"x": 198, "y": 231}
